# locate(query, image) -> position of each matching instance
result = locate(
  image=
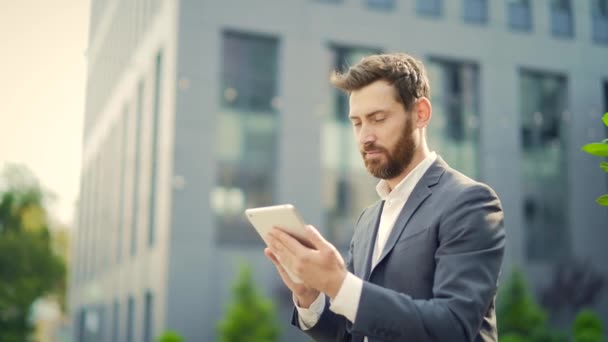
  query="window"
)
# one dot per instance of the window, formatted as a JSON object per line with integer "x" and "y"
{"x": 454, "y": 129}
{"x": 561, "y": 18}
{"x": 475, "y": 11}
{"x": 381, "y": 4}
{"x": 430, "y": 8}
{"x": 137, "y": 167}
{"x": 115, "y": 321}
{"x": 130, "y": 320}
{"x": 247, "y": 133}
{"x": 155, "y": 151}
{"x": 519, "y": 15}
{"x": 347, "y": 187}
{"x": 599, "y": 15}
{"x": 149, "y": 317}
{"x": 543, "y": 109}
{"x": 124, "y": 125}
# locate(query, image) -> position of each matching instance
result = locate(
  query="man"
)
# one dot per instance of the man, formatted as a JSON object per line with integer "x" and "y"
{"x": 424, "y": 261}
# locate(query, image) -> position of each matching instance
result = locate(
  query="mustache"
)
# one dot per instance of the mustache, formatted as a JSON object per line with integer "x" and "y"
{"x": 371, "y": 147}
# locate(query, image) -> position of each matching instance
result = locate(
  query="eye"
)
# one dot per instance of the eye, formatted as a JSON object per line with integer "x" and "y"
{"x": 356, "y": 123}
{"x": 379, "y": 118}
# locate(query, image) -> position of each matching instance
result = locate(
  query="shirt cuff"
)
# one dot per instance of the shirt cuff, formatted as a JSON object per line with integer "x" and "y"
{"x": 347, "y": 300}
{"x": 307, "y": 318}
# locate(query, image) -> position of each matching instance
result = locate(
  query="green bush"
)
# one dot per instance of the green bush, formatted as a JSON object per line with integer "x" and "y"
{"x": 588, "y": 327}
{"x": 511, "y": 338}
{"x": 519, "y": 317}
{"x": 250, "y": 316}
{"x": 170, "y": 336}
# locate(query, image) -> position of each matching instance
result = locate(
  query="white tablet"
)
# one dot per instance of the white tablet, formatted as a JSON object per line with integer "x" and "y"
{"x": 284, "y": 216}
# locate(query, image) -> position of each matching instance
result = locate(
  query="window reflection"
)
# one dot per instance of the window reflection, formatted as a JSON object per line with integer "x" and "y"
{"x": 246, "y": 133}
{"x": 543, "y": 111}
{"x": 454, "y": 129}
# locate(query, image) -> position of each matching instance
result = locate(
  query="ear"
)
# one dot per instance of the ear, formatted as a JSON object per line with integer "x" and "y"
{"x": 423, "y": 111}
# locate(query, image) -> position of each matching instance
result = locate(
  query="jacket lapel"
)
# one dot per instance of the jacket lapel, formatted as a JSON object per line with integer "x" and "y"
{"x": 421, "y": 192}
{"x": 369, "y": 240}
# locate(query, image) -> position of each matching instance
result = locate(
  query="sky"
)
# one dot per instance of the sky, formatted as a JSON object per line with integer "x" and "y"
{"x": 42, "y": 82}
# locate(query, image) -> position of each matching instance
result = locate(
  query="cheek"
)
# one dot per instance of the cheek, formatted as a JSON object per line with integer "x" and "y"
{"x": 390, "y": 137}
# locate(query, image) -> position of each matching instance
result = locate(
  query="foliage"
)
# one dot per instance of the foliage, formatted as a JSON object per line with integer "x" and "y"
{"x": 29, "y": 268}
{"x": 588, "y": 327}
{"x": 170, "y": 336}
{"x": 250, "y": 317}
{"x": 519, "y": 317}
{"x": 600, "y": 149}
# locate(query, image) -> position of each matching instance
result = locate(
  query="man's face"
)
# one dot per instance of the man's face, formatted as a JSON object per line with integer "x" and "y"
{"x": 383, "y": 129}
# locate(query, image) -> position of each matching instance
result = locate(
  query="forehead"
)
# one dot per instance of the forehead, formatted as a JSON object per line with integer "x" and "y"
{"x": 377, "y": 96}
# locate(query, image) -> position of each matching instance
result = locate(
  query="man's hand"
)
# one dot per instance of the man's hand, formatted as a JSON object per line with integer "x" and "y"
{"x": 304, "y": 294}
{"x": 321, "y": 269}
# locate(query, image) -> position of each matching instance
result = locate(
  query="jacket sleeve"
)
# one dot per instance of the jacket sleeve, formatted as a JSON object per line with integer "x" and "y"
{"x": 468, "y": 259}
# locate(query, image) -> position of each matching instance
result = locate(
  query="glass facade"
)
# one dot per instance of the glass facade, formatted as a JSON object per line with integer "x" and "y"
{"x": 543, "y": 104}
{"x": 246, "y": 133}
{"x": 454, "y": 128}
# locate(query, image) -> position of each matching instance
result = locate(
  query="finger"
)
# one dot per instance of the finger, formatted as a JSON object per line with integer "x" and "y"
{"x": 270, "y": 255}
{"x": 290, "y": 243}
{"x": 313, "y": 235}
{"x": 283, "y": 255}
{"x": 282, "y": 273}
{"x": 277, "y": 247}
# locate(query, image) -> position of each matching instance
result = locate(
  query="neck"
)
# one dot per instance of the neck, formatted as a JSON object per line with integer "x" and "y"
{"x": 419, "y": 155}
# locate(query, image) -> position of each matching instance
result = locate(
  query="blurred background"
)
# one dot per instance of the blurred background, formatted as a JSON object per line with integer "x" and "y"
{"x": 134, "y": 133}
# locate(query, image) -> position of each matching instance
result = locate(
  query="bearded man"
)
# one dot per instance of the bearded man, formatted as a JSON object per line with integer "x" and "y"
{"x": 424, "y": 260}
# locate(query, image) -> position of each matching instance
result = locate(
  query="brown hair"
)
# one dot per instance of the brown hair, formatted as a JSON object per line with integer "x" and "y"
{"x": 405, "y": 73}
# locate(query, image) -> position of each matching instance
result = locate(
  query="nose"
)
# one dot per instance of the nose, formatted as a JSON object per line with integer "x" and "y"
{"x": 366, "y": 135}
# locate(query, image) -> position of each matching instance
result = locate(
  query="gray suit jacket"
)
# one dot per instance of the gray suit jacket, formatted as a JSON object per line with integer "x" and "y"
{"x": 436, "y": 279}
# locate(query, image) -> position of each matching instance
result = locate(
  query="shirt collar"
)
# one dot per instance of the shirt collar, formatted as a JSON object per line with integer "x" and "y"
{"x": 407, "y": 184}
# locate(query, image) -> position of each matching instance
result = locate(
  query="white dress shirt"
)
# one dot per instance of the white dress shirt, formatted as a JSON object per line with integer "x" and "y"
{"x": 347, "y": 300}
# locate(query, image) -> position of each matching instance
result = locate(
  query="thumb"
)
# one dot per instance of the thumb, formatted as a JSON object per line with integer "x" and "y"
{"x": 315, "y": 238}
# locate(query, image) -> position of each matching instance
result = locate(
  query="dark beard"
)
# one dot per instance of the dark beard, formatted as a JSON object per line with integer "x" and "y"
{"x": 397, "y": 159}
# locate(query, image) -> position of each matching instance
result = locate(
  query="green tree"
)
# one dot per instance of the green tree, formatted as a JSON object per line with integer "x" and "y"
{"x": 519, "y": 317}
{"x": 600, "y": 149}
{"x": 170, "y": 336}
{"x": 588, "y": 327}
{"x": 29, "y": 268}
{"x": 250, "y": 317}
